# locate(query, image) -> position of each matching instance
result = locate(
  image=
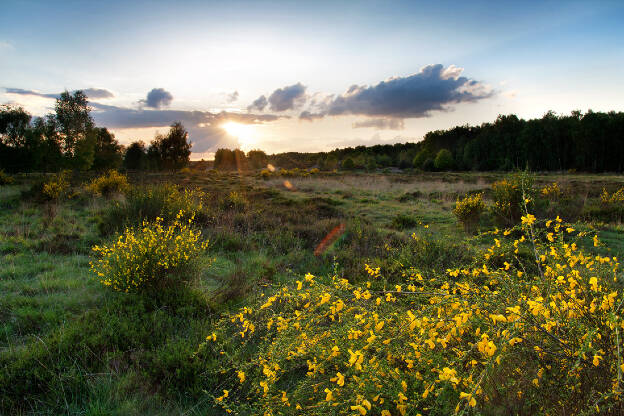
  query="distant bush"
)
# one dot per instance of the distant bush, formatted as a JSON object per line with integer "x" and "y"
{"x": 443, "y": 160}
{"x": 50, "y": 188}
{"x": 507, "y": 195}
{"x": 111, "y": 183}
{"x": 614, "y": 198}
{"x": 551, "y": 191}
{"x": 150, "y": 257}
{"x": 148, "y": 203}
{"x": 348, "y": 164}
{"x": 468, "y": 211}
{"x": 5, "y": 179}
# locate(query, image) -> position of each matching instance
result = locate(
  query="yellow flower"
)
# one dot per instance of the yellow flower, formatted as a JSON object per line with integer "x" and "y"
{"x": 329, "y": 397}
{"x": 339, "y": 379}
{"x": 529, "y": 219}
{"x": 241, "y": 376}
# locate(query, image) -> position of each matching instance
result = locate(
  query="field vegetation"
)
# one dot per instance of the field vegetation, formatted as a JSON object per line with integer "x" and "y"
{"x": 205, "y": 292}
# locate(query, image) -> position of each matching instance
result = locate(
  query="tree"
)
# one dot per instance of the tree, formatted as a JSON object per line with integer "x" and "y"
{"x": 135, "y": 157}
{"x": 108, "y": 151}
{"x": 73, "y": 120}
{"x": 348, "y": 164}
{"x": 173, "y": 150}
{"x": 257, "y": 159}
{"x": 443, "y": 160}
{"x": 14, "y": 122}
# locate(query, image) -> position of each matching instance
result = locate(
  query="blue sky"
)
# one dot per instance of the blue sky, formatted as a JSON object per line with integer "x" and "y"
{"x": 214, "y": 59}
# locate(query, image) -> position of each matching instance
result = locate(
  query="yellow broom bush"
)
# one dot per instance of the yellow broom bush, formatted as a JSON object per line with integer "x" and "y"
{"x": 153, "y": 256}
{"x": 534, "y": 326}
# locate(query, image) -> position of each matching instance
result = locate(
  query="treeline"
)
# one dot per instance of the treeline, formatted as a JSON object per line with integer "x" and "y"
{"x": 69, "y": 139}
{"x": 590, "y": 142}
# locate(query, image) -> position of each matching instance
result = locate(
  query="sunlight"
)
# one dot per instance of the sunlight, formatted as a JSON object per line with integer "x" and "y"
{"x": 243, "y": 132}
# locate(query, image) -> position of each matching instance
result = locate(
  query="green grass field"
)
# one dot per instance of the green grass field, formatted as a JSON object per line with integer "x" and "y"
{"x": 69, "y": 345}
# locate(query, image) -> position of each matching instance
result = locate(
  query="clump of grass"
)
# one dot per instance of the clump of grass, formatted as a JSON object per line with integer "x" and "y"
{"x": 403, "y": 222}
{"x": 163, "y": 201}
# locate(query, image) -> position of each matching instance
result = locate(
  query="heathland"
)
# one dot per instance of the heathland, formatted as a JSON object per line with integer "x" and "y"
{"x": 311, "y": 292}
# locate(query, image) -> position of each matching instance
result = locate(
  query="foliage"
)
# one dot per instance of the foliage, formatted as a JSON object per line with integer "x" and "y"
{"x": 614, "y": 198}
{"x": 492, "y": 336}
{"x": 5, "y": 179}
{"x": 135, "y": 157}
{"x": 151, "y": 257}
{"x": 150, "y": 202}
{"x": 55, "y": 188}
{"x": 111, "y": 183}
{"x": 443, "y": 160}
{"x": 509, "y": 194}
{"x": 171, "y": 151}
{"x": 348, "y": 164}
{"x": 551, "y": 191}
{"x": 468, "y": 210}
{"x": 226, "y": 159}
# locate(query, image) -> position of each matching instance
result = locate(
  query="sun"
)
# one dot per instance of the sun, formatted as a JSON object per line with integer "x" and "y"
{"x": 243, "y": 132}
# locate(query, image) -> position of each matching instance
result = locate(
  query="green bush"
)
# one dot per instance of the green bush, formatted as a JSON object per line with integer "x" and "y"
{"x": 508, "y": 197}
{"x": 443, "y": 160}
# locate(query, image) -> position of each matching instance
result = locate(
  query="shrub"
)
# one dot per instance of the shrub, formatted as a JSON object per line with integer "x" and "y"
{"x": 402, "y": 222}
{"x": 148, "y": 203}
{"x": 443, "y": 160}
{"x": 508, "y": 197}
{"x": 473, "y": 340}
{"x": 551, "y": 191}
{"x": 150, "y": 257}
{"x": 348, "y": 164}
{"x": 468, "y": 211}
{"x": 614, "y": 198}
{"x": 265, "y": 173}
{"x": 109, "y": 184}
{"x": 52, "y": 189}
{"x": 5, "y": 179}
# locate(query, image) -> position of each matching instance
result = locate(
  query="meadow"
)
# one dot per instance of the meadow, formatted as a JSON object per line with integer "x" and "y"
{"x": 381, "y": 293}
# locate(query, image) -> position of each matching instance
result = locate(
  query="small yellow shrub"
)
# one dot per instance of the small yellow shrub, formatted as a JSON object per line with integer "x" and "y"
{"x": 152, "y": 256}
{"x": 551, "y": 191}
{"x": 56, "y": 187}
{"x": 468, "y": 210}
{"x": 112, "y": 182}
{"x": 614, "y": 198}
{"x": 265, "y": 173}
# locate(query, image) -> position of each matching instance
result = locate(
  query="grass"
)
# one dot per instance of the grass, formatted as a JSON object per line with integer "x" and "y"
{"x": 67, "y": 345}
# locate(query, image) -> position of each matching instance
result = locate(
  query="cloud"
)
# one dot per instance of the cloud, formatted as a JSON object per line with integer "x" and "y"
{"x": 434, "y": 88}
{"x": 380, "y": 124}
{"x": 308, "y": 116}
{"x": 157, "y": 98}
{"x": 287, "y": 98}
{"x": 97, "y": 93}
{"x": 232, "y": 97}
{"x": 204, "y": 127}
{"x": 91, "y": 93}
{"x": 259, "y": 104}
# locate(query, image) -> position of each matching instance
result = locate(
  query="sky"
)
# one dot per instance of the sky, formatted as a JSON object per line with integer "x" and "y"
{"x": 311, "y": 75}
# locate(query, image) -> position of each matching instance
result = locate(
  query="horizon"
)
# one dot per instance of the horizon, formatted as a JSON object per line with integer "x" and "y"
{"x": 303, "y": 77}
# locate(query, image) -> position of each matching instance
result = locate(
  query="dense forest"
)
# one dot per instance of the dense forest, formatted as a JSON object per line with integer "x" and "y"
{"x": 68, "y": 139}
{"x": 590, "y": 142}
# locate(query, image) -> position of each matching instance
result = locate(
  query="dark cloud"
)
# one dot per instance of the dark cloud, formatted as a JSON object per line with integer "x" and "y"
{"x": 308, "y": 116}
{"x": 157, "y": 98}
{"x": 380, "y": 124}
{"x": 287, "y": 98}
{"x": 433, "y": 88}
{"x": 92, "y": 93}
{"x": 204, "y": 127}
{"x": 232, "y": 97}
{"x": 259, "y": 104}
